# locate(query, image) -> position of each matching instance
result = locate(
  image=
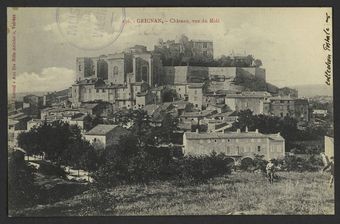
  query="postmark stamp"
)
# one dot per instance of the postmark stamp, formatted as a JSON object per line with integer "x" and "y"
{"x": 90, "y": 28}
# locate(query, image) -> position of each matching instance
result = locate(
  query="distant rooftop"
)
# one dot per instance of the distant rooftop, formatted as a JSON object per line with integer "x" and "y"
{"x": 198, "y": 40}
{"x": 196, "y": 85}
{"x": 249, "y": 94}
{"x": 101, "y": 129}
{"x": 203, "y": 113}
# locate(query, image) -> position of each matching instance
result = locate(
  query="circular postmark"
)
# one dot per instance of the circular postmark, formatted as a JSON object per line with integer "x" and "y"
{"x": 90, "y": 28}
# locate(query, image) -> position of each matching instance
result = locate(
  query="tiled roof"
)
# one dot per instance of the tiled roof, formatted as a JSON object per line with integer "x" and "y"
{"x": 150, "y": 108}
{"x": 203, "y": 113}
{"x": 89, "y": 105}
{"x": 281, "y": 98}
{"x": 18, "y": 116}
{"x": 79, "y": 117}
{"x": 196, "y": 85}
{"x": 218, "y": 105}
{"x": 224, "y": 114}
{"x": 218, "y": 135}
{"x": 101, "y": 129}
{"x": 141, "y": 94}
{"x": 254, "y": 94}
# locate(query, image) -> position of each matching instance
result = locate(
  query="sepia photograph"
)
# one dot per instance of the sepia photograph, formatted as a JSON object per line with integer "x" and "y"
{"x": 170, "y": 111}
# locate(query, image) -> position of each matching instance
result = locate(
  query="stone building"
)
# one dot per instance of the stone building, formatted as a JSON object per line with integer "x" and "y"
{"x": 213, "y": 99}
{"x": 253, "y": 101}
{"x": 195, "y": 94}
{"x": 202, "y": 48}
{"x": 282, "y": 106}
{"x": 116, "y": 78}
{"x": 32, "y": 104}
{"x": 145, "y": 98}
{"x": 171, "y": 49}
{"x": 104, "y": 135}
{"x": 235, "y": 144}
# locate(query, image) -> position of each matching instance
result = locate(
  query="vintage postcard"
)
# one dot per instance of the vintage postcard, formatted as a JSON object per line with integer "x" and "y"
{"x": 170, "y": 111}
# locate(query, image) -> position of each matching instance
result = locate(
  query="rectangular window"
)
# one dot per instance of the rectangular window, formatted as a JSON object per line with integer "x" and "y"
{"x": 205, "y": 45}
{"x": 228, "y": 150}
{"x": 97, "y": 90}
{"x": 259, "y": 148}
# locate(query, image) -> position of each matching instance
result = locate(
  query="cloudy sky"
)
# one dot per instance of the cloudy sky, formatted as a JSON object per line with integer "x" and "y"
{"x": 289, "y": 41}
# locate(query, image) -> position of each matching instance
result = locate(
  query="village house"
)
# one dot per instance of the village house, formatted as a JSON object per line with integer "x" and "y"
{"x": 96, "y": 108}
{"x": 56, "y": 113}
{"x": 104, "y": 135}
{"x": 197, "y": 117}
{"x": 195, "y": 94}
{"x": 235, "y": 144}
{"x": 17, "y": 123}
{"x": 253, "y": 101}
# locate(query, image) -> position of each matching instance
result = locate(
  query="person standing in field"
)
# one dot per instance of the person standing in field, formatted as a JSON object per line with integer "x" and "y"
{"x": 330, "y": 166}
{"x": 270, "y": 169}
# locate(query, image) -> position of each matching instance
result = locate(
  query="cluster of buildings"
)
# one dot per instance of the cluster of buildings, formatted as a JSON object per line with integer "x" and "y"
{"x": 137, "y": 79}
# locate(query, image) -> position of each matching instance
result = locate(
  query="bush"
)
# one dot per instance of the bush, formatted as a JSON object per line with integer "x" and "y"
{"x": 51, "y": 169}
{"x": 126, "y": 164}
{"x": 202, "y": 168}
{"x": 21, "y": 189}
{"x": 295, "y": 163}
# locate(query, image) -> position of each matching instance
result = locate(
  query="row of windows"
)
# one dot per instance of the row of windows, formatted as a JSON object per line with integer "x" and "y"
{"x": 104, "y": 91}
{"x": 232, "y": 140}
{"x": 115, "y": 70}
{"x": 277, "y": 149}
{"x": 239, "y": 149}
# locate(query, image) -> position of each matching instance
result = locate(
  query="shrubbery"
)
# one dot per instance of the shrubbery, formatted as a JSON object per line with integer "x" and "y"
{"x": 21, "y": 189}
{"x": 294, "y": 163}
{"x": 128, "y": 163}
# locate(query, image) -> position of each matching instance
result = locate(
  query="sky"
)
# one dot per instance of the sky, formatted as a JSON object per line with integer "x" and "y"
{"x": 289, "y": 41}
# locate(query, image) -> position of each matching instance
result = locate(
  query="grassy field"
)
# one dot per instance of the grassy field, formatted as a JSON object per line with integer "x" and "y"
{"x": 236, "y": 194}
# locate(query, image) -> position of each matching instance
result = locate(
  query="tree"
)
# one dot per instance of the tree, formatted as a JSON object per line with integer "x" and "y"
{"x": 257, "y": 63}
{"x": 169, "y": 95}
{"x": 165, "y": 132}
{"x": 62, "y": 143}
{"x": 21, "y": 189}
{"x": 224, "y": 61}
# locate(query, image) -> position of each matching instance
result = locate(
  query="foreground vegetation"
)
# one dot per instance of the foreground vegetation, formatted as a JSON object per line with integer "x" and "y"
{"x": 239, "y": 193}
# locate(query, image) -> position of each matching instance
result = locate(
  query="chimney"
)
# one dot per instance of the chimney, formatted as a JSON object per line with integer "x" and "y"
{"x": 246, "y": 128}
{"x": 238, "y": 130}
{"x": 256, "y": 130}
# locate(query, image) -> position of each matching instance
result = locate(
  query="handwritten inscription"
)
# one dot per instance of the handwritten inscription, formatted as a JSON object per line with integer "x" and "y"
{"x": 13, "y": 59}
{"x": 327, "y": 46}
